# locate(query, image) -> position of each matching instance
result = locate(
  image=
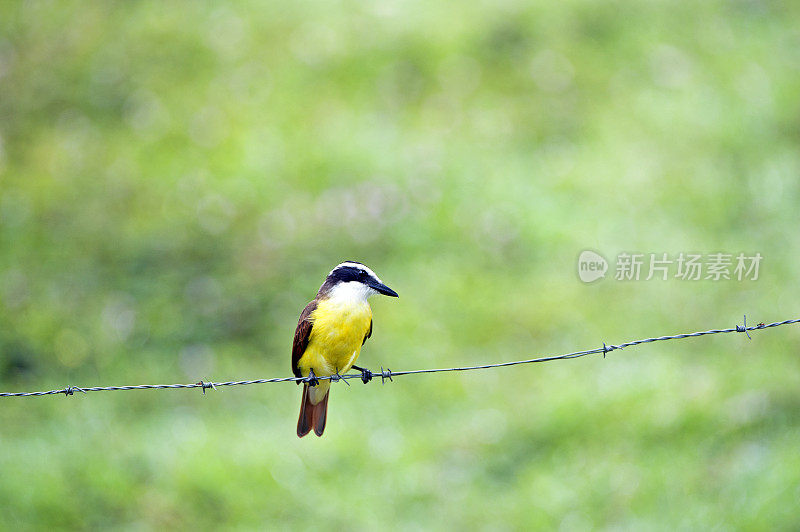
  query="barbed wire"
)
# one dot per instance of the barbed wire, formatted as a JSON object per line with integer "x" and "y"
{"x": 387, "y": 374}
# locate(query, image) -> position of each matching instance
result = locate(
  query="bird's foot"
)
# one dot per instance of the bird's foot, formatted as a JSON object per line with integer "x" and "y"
{"x": 312, "y": 379}
{"x": 366, "y": 375}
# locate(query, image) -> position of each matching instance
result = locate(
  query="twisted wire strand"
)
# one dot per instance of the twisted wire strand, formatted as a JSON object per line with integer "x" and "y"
{"x": 385, "y": 374}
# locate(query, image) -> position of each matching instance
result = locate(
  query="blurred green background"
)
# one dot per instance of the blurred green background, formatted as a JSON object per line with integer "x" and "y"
{"x": 176, "y": 179}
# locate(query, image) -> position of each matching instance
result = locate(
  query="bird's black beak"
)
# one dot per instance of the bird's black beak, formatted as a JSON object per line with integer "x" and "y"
{"x": 382, "y": 288}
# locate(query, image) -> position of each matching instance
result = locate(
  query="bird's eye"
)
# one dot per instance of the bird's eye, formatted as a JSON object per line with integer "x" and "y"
{"x": 362, "y": 274}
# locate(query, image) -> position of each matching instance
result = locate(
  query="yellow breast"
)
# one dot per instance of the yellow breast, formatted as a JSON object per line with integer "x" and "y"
{"x": 337, "y": 333}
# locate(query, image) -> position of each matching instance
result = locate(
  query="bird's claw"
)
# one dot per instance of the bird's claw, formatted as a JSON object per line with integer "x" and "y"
{"x": 366, "y": 375}
{"x": 312, "y": 379}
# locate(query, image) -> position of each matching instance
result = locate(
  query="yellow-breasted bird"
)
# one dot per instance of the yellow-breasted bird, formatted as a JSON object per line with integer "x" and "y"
{"x": 331, "y": 330}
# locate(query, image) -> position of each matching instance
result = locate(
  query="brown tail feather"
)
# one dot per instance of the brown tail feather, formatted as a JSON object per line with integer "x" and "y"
{"x": 312, "y": 415}
{"x": 306, "y": 409}
{"x": 320, "y": 415}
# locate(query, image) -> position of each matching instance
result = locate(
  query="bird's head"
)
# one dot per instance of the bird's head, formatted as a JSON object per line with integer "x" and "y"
{"x": 353, "y": 279}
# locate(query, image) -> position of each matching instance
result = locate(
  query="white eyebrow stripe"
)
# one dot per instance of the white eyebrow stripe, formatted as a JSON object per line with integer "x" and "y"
{"x": 359, "y": 266}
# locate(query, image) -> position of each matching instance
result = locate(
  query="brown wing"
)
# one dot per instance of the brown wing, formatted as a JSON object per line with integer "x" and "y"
{"x": 369, "y": 333}
{"x": 301, "y": 336}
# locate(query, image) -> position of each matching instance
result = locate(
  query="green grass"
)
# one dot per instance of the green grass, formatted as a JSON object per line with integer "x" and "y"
{"x": 175, "y": 182}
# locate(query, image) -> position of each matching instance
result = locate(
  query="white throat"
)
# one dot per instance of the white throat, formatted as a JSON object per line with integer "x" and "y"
{"x": 350, "y": 292}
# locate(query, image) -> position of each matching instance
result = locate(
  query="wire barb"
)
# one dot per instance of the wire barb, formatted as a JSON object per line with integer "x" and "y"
{"x": 336, "y": 377}
{"x": 206, "y": 385}
{"x": 743, "y": 328}
{"x": 367, "y": 375}
{"x": 608, "y": 349}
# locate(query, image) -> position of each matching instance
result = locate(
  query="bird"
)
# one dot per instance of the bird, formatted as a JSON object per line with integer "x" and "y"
{"x": 329, "y": 335}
